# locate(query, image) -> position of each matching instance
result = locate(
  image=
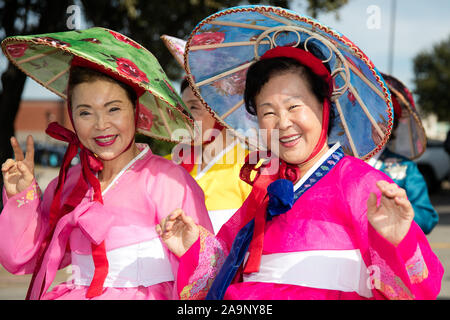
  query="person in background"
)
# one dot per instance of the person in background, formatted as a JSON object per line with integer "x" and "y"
{"x": 408, "y": 141}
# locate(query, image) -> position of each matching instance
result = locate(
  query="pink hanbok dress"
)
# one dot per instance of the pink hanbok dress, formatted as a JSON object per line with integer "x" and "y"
{"x": 324, "y": 247}
{"x": 140, "y": 266}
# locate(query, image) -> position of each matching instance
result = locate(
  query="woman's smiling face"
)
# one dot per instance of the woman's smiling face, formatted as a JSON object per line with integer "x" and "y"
{"x": 103, "y": 117}
{"x": 290, "y": 112}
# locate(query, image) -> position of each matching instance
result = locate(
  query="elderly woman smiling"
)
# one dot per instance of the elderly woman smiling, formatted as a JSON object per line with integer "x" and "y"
{"x": 336, "y": 228}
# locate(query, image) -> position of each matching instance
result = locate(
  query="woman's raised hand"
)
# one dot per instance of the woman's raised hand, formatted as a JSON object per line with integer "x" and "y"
{"x": 178, "y": 231}
{"x": 18, "y": 174}
{"x": 392, "y": 218}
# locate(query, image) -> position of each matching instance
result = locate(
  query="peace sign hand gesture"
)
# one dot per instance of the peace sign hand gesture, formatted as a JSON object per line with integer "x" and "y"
{"x": 18, "y": 174}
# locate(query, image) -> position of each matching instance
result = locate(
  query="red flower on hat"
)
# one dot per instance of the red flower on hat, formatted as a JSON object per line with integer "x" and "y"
{"x": 128, "y": 68}
{"x": 145, "y": 118}
{"x": 127, "y": 40}
{"x": 208, "y": 38}
{"x": 232, "y": 85}
{"x": 17, "y": 50}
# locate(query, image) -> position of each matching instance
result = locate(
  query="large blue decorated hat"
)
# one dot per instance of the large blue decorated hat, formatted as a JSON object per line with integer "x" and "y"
{"x": 222, "y": 47}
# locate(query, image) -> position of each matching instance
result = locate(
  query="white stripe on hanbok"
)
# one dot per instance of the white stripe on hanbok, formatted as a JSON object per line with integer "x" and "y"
{"x": 342, "y": 270}
{"x": 142, "y": 264}
{"x": 220, "y": 217}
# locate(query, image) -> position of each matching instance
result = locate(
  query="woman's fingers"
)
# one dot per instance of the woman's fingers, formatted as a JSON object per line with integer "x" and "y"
{"x": 18, "y": 153}
{"x": 187, "y": 220}
{"x": 167, "y": 223}
{"x": 29, "y": 157}
{"x": 25, "y": 171}
{"x": 7, "y": 165}
{"x": 371, "y": 203}
{"x": 390, "y": 190}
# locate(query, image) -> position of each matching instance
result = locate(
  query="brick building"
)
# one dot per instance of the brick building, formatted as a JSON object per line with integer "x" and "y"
{"x": 34, "y": 116}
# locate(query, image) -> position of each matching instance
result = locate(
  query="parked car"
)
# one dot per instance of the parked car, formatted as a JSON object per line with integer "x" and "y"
{"x": 49, "y": 155}
{"x": 434, "y": 164}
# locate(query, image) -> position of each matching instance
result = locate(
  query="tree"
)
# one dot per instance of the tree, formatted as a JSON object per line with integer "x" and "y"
{"x": 432, "y": 80}
{"x": 22, "y": 17}
{"x": 317, "y": 6}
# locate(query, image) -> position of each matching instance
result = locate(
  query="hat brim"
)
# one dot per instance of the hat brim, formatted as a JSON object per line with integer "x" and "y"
{"x": 47, "y": 58}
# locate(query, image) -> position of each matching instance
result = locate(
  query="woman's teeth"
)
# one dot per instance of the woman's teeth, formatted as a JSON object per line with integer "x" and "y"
{"x": 107, "y": 139}
{"x": 285, "y": 140}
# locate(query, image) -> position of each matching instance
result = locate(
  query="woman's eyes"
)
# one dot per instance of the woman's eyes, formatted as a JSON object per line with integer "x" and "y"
{"x": 84, "y": 113}
{"x": 290, "y": 108}
{"x": 195, "y": 107}
{"x": 114, "y": 109}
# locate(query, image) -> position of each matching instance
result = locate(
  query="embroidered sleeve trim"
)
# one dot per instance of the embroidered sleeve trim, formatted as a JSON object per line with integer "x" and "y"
{"x": 385, "y": 280}
{"x": 33, "y": 193}
{"x": 416, "y": 267}
{"x": 211, "y": 258}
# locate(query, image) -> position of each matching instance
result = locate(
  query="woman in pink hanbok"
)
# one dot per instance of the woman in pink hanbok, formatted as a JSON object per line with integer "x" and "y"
{"x": 318, "y": 224}
{"x": 99, "y": 216}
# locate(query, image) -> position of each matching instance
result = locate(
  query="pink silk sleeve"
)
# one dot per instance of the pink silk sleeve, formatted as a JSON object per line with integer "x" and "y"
{"x": 22, "y": 228}
{"x": 202, "y": 262}
{"x": 408, "y": 271}
{"x": 174, "y": 189}
{"x": 204, "y": 259}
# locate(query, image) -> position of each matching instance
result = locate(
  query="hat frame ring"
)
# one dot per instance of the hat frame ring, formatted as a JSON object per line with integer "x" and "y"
{"x": 342, "y": 69}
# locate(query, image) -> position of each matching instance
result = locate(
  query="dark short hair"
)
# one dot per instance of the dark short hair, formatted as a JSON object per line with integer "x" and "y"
{"x": 80, "y": 75}
{"x": 184, "y": 84}
{"x": 263, "y": 70}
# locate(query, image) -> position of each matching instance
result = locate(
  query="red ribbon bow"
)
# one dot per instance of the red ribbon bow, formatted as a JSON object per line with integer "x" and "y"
{"x": 258, "y": 200}
{"x": 90, "y": 164}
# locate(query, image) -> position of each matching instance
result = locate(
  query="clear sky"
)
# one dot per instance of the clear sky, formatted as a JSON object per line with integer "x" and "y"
{"x": 419, "y": 24}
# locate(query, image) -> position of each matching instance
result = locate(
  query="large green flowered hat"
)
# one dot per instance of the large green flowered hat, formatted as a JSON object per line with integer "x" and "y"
{"x": 47, "y": 58}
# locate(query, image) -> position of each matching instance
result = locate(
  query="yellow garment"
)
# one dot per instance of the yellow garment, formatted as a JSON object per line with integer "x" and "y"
{"x": 224, "y": 190}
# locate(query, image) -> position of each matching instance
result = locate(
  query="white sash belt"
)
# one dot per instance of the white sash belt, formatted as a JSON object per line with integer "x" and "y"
{"x": 220, "y": 217}
{"x": 342, "y": 270}
{"x": 141, "y": 264}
